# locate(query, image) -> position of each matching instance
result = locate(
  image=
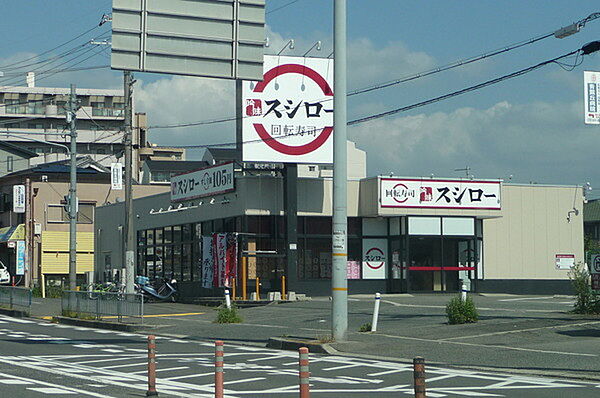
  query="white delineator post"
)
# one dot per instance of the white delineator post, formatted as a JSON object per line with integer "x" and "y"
{"x": 375, "y": 312}
{"x": 463, "y": 292}
{"x": 227, "y": 299}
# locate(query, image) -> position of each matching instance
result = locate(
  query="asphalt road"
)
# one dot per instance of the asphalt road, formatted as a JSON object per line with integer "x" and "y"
{"x": 44, "y": 359}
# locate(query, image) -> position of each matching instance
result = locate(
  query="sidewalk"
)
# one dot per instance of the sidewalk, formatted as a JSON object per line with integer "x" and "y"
{"x": 538, "y": 336}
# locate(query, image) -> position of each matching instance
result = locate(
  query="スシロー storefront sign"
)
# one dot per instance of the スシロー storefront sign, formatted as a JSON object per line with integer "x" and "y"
{"x": 446, "y": 194}
{"x": 374, "y": 258}
{"x": 591, "y": 84}
{"x": 564, "y": 261}
{"x": 288, "y": 116}
{"x": 204, "y": 182}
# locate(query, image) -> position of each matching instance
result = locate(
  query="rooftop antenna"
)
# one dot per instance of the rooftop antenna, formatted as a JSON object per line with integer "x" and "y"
{"x": 467, "y": 170}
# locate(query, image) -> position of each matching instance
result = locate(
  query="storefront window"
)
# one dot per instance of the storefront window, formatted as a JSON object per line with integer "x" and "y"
{"x": 314, "y": 260}
{"x": 318, "y": 225}
{"x": 176, "y": 233}
{"x": 167, "y": 262}
{"x": 150, "y": 237}
{"x": 186, "y": 262}
{"x": 168, "y": 235}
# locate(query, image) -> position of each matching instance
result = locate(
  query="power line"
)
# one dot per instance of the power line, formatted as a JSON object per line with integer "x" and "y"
{"x": 587, "y": 49}
{"x": 52, "y": 49}
{"x": 282, "y": 6}
{"x": 405, "y": 79}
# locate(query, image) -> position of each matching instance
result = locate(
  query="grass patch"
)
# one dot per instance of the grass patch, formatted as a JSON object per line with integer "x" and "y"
{"x": 365, "y": 327}
{"x": 459, "y": 312}
{"x": 228, "y": 315}
{"x": 74, "y": 314}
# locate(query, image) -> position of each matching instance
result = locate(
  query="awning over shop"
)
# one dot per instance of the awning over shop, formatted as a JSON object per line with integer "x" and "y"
{"x": 16, "y": 232}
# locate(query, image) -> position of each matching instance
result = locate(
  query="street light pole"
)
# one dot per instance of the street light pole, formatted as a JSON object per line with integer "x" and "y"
{"x": 339, "y": 283}
{"x": 73, "y": 192}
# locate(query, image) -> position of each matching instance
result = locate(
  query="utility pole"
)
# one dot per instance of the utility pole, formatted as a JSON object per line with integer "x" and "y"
{"x": 339, "y": 282}
{"x": 129, "y": 231}
{"x": 73, "y": 192}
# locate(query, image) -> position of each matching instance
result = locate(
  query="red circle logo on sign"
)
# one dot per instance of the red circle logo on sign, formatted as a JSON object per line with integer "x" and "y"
{"x": 374, "y": 255}
{"x": 325, "y": 88}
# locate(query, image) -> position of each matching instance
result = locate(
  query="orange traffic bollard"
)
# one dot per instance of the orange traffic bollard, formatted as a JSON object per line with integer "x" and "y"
{"x": 151, "y": 367}
{"x": 304, "y": 373}
{"x": 419, "y": 376}
{"x": 218, "y": 369}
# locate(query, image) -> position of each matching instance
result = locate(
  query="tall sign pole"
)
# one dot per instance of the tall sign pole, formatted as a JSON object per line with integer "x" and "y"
{"x": 73, "y": 192}
{"x": 129, "y": 230}
{"x": 339, "y": 283}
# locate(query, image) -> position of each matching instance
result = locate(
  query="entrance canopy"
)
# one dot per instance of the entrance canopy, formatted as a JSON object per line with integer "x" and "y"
{"x": 12, "y": 233}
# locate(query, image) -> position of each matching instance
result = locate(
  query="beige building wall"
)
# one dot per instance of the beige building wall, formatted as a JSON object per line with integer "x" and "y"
{"x": 533, "y": 229}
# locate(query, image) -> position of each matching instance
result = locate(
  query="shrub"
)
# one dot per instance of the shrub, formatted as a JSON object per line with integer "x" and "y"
{"x": 459, "y": 311}
{"x": 54, "y": 292}
{"x": 228, "y": 315}
{"x": 365, "y": 327}
{"x": 586, "y": 300}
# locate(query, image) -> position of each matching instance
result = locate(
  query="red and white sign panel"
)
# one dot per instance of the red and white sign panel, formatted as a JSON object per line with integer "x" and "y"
{"x": 441, "y": 194}
{"x": 591, "y": 85}
{"x": 288, "y": 117}
{"x": 374, "y": 258}
{"x": 564, "y": 261}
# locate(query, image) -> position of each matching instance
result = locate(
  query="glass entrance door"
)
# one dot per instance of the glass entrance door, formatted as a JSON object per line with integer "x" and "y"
{"x": 459, "y": 261}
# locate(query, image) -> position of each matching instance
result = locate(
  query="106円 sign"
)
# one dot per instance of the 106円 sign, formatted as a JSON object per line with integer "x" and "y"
{"x": 445, "y": 194}
{"x": 288, "y": 117}
{"x": 204, "y": 182}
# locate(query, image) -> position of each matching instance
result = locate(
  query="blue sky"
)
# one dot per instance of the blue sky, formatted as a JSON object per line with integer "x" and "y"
{"x": 530, "y": 127}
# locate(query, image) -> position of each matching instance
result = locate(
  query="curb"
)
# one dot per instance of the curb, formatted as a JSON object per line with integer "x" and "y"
{"x": 122, "y": 327}
{"x": 291, "y": 344}
{"x": 14, "y": 313}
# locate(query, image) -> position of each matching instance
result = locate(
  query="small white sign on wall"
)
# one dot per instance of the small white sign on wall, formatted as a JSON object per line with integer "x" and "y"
{"x": 374, "y": 259}
{"x": 565, "y": 261}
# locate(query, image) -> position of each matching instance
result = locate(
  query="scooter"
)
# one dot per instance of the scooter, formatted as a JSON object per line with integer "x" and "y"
{"x": 167, "y": 291}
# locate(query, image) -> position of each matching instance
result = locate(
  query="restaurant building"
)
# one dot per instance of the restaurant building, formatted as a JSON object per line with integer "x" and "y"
{"x": 413, "y": 234}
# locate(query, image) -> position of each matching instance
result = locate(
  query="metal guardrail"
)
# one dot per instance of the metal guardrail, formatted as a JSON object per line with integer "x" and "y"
{"x": 15, "y": 297}
{"x": 103, "y": 305}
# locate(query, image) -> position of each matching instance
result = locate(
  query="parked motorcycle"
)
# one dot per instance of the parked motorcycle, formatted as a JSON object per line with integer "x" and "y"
{"x": 167, "y": 291}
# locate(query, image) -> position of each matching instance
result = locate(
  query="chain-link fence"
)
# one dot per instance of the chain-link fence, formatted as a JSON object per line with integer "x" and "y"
{"x": 103, "y": 305}
{"x": 15, "y": 297}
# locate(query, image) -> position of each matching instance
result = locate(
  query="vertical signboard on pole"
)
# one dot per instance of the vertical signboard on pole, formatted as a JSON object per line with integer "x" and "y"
{"x": 19, "y": 198}
{"x": 116, "y": 176}
{"x": 591, "y": 85}
{"x": 288, "y": 116}
{"x": 374, "y": 258}
{"x": 20, "y": 268}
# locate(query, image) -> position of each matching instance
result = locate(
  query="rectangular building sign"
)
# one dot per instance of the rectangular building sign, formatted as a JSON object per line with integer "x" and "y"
{"x": 204, "y": 182}
{"x": 591, "y": 85}
{"x": 116, "y": 176}
{"x": 288, "y": 116}
{"x": 564, "y": 261}
{"x": 374, "y": 259}
{"x": 19, "y": 198}
{"x": 442, "y": 194}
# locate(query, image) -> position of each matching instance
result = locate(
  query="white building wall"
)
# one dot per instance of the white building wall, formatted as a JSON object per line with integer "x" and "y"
{"x": 533, "y": 229}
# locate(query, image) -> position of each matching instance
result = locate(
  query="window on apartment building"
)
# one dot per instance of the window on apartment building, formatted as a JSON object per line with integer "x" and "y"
{"x": 13, "y": 125}
{"x": 35, "y": 107}
{"x": 161, "y": 176}
{"x": 12, "y": 106}
{"x": 39, "y": 126}
{"x": 9, "y": 164}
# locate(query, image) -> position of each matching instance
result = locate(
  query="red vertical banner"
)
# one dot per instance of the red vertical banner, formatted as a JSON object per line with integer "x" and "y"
{"x": 232, "y": 256}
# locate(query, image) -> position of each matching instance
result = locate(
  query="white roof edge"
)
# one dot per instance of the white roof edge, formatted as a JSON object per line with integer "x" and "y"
{"x": 62, "y": 90}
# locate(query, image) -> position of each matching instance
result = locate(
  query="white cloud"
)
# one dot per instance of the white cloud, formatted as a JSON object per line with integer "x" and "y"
{"x": 543, "y": 142}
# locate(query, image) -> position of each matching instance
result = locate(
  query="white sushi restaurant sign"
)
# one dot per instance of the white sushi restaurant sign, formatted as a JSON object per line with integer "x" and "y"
{"x": 441, "y": 194}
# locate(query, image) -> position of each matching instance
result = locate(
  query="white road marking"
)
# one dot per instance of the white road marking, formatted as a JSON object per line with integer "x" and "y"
{"x": 522, "y": 330}
{"x": 244, "y": 380}
{"x": 488, "y": 346}
{"x": 14, "y": 381}
{"x": 15, "y": 320}
{"x": 51, "y": 390}
{"x": 528, "y": 298}
{"x": 67, "y": 390}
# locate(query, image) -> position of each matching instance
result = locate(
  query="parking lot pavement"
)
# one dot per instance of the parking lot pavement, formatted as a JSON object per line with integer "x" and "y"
{"x": 87, "y": 362}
